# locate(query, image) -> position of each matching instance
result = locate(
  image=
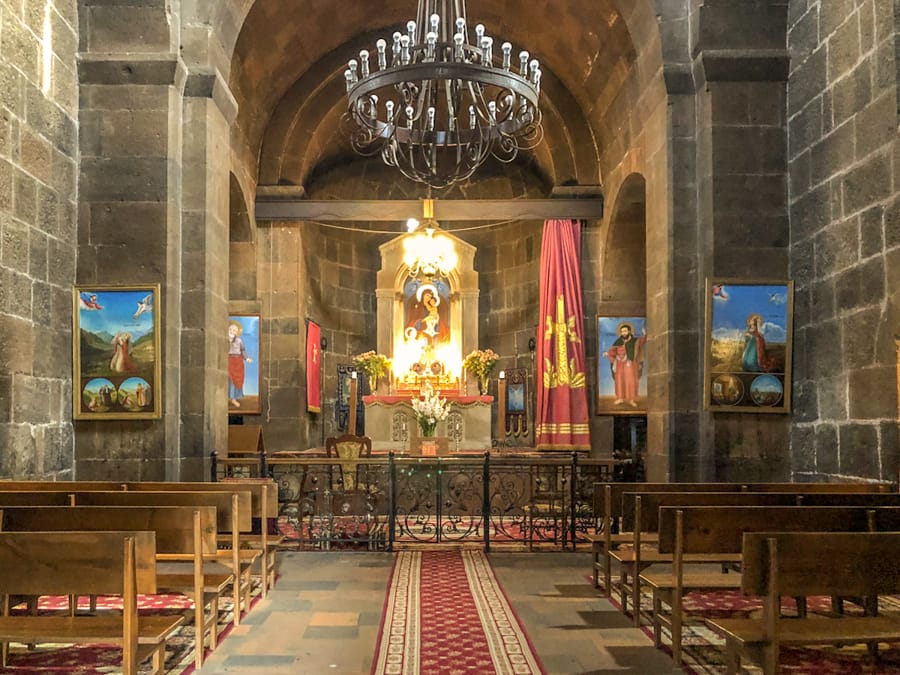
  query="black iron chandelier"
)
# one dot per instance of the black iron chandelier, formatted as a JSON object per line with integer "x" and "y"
{"x": 437, "y": 100}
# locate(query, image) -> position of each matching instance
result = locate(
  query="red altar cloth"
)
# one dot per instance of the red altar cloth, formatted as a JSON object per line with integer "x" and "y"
{"x": 390, "y": 400}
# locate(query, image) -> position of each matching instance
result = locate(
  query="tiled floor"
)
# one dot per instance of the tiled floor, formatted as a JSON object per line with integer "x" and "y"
{"x": 323, "y": 616}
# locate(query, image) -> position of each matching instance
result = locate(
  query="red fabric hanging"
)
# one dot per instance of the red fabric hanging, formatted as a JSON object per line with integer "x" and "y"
{"x": 562, "y": 408}
{"x": 313, "y": 367}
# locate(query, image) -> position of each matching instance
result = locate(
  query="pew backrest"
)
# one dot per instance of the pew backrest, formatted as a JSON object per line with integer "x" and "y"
{"x": 83, "y": 563}
{"x": 650, "y": 503}
{"x": 815, "y": 563}
{"x": 173, "y": 525}
{"x": 720, "y": 529}
{"x": 222, "y": 501}
{"x": 18, "y": 498}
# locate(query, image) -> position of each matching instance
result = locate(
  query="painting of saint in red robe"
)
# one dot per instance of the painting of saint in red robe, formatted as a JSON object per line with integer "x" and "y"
{"x": 622, "y": 377}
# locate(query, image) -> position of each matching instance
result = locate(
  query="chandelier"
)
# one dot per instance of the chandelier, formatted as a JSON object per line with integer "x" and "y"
{"x": 428, "y": 254}
{"x": 437, "y": 100}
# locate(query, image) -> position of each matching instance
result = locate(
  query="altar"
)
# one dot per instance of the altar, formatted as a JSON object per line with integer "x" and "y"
{"x": 391, "y": 423}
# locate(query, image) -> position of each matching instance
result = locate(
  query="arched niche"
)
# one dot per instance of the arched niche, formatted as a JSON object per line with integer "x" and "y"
{"x": 392, "y": 293}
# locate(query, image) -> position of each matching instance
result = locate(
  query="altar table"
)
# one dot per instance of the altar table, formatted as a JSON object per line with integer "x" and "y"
{"x": 391, "y": 422}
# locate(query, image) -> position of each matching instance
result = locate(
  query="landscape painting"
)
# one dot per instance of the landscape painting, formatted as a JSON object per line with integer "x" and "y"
{"x": 116, "y": 352}
{"x": 621, "y": 366}
{"x": 748, "y": 345}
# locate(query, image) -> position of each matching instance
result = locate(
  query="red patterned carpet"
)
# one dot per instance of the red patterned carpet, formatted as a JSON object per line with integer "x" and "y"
{"x": 446, "y": 614}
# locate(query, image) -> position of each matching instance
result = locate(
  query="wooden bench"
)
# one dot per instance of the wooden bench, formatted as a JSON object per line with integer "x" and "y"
{"x": 607, "y": 501}
{"x": 84, "y": 563}
{"x": 232, "y": 517}
{"x": 264, "y": 502}
{"x": 719, "y": 530}
{"x": 182, "y": 534}
{"x": 640, "y": 515}
{"x": 804, "y": 564}
{"x": 263, "y": 512}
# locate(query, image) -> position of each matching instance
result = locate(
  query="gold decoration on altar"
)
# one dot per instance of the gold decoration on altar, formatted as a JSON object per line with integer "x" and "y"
{"x": 564, "y": 329}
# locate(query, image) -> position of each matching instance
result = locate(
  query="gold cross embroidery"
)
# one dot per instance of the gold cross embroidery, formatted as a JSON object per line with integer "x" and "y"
{"x": 564, "y": 330}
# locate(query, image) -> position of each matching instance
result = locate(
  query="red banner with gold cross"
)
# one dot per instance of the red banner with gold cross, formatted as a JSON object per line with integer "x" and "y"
{"x": 562, "y": 405}
{"x": 313, "y": 367}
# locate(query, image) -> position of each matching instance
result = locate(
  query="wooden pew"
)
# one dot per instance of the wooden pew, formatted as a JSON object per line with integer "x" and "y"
{"x": 263, "y": 506}
{"x": 182, "y": 534}
{"x": 804, "y": 564}
{"x": 719, "y": 530}
{"x": 232, "y": 516}
{"x": 640, "y": 515}
{"x": 608, "y": 513}
{"x": 85, "y": 563}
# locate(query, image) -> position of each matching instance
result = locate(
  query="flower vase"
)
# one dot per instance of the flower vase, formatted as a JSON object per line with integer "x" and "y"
{"x": 373, "y": 383}
{"x": 483, "y": 383}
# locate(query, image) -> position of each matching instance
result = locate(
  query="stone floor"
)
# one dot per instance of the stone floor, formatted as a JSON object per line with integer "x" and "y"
{"x": 324, "y": 612}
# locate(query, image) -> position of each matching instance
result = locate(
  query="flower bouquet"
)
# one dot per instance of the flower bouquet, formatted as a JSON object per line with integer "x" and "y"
{"x": 429, "y": 410}
{"x": 481, "y": 362}
{"x": 372, "y": 364}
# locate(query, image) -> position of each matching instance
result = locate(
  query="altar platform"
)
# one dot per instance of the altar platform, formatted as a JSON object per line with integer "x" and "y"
{"x": 391, "y": 422}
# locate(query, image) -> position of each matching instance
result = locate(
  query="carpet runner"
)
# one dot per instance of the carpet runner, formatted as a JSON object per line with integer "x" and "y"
{"x": 446, "y": 613}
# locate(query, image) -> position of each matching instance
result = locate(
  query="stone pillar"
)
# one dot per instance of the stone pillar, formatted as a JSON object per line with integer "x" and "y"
{"x": 129, "y": 219}
{"x": 743, "y": 211}
{"x": 38, "y": 179}
{"x": 209, "y": 110}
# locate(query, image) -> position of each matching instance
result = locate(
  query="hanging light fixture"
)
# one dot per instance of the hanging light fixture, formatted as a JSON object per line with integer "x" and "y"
{"x": 437, "y": 100}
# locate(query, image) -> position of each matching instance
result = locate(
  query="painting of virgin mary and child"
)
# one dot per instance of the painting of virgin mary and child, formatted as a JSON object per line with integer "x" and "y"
{"x": 116, "y": 352}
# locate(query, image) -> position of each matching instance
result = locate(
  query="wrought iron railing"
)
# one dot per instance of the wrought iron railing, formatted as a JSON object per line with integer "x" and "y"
{"x": 389, "y": 501}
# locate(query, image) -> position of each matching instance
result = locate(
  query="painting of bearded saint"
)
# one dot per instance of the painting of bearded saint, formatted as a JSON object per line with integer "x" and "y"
{"x": 621, "y": 375}
{"x": 116, "y": 353}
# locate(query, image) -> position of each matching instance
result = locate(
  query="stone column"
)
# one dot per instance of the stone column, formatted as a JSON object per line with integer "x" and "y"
{"x": 209, "y": 110}
{"x": 129, "y": 220}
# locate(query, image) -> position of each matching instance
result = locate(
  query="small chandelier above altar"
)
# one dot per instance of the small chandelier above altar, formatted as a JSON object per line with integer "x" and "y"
{"x": 429, "y": 253}
{"x": 437, "y": 103}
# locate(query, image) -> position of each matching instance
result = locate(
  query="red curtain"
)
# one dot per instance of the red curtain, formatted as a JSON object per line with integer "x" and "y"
{"x": 313, "y": 367}
{"x": 562, "y": 408}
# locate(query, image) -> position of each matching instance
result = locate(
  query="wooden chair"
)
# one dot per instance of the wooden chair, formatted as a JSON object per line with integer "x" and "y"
{"x": 348, "y": 449}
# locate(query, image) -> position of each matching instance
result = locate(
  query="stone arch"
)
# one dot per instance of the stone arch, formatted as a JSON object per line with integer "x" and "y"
{"x": 242, "y": 267}
{"x": 624, "y": 266}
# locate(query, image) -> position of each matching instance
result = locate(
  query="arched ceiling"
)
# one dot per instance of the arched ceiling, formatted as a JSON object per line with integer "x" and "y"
{"x": 289, "y": 58}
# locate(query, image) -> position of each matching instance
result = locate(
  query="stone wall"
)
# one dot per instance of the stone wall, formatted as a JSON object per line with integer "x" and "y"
{"x": 38, "y": 187}
{"x": 845, "y": 237}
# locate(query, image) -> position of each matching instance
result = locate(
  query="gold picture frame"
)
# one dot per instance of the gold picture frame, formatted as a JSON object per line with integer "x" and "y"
{"x": 115, "y": 352}
{"x": 748, "y": 342}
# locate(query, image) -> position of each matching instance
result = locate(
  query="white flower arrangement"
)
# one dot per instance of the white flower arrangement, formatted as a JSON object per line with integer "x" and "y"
{"x": 430, "y": 409}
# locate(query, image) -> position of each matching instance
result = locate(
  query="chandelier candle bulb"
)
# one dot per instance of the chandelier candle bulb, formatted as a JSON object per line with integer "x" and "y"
{"x": 364, "y": 62}
{"x": 507, "y": 55}
{"x": 381, "y": 46}
{"x": 487, "y": 53}
{"x": 411, "y": 31}
{"x": 523, "y": 62}
{"x": 404, "y": 50}
{"x": 458, "y": 41}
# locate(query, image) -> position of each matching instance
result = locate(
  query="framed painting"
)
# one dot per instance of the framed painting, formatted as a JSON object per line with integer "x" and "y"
{"x": 748, "y": 345}
{"x": 244, "y": 374}
{"x": 116, "y": 353}
{"x": 621, "y": 366}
